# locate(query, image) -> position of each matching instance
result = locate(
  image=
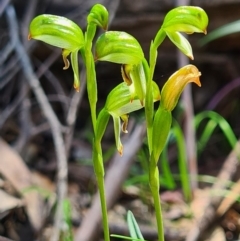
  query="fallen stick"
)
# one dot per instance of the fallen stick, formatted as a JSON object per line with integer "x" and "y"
{"x": 228, "y": 170}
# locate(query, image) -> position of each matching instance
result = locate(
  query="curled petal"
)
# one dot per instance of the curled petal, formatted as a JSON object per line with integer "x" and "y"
{"x": 65, "y": 54}
{"x": 125, "y": 71}
{"x": 125, "y": 123}
{"x": 176, "y": 83}
{"x": 99, "y": 16}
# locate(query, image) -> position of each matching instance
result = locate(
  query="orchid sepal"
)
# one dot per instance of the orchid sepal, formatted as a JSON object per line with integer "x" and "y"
{"x": 118, "y": 47}
{"x": 187, "y": 19}
{"x": 182, "y": 43}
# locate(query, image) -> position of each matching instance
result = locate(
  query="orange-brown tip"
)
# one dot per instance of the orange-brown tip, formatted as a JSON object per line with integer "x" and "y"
{"x": 29, "y": 36}
{"x": 76, "y": 87}
{"x": 120, "y": 150}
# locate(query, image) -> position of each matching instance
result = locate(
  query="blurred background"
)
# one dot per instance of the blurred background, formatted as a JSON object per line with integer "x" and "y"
{"x": 29, "y": 160}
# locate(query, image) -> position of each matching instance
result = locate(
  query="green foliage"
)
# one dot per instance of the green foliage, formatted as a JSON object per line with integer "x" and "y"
{"x": 138, "y": 89}
{"x": 220, "y": 32}
{"x": 134, "y": 230}
{"x": 67, "y": 234}
{"x": 214, "y": 120}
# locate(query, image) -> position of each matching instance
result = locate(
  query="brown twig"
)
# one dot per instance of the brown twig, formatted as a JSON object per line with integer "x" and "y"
{"x": 51, "y": 117}
{"x": 116, "y": 174}
{"x": 8, "y": 111}
{"x": 227, "y": 172}
{"x": 73, "y": 109}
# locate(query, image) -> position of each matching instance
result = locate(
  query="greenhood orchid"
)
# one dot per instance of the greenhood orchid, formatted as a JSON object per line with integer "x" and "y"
{"x": 120, "y": 102}
{"x": 185, "y": 19}
{"x": 60, "y": 32}
{"x": 138, "y": 90}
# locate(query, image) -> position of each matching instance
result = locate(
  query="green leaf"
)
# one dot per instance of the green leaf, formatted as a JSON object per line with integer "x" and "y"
{"x": 161, "y": 127}
{"x": 182, "y": 163}
{"x": 133, "y": 227}
{"x": 214, "y": 120}
{"x": 227, "y": 29}
{"x": 118, "y": 47}
{"x": 101, "y": 124}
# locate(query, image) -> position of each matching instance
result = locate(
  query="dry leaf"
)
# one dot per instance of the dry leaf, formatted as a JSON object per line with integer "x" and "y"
{"x": 15, "y": 170}
{"x": 8, "y": 202}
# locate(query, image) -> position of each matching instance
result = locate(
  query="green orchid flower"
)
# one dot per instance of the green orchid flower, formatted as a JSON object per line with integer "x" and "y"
{"x": 60, "y": 32}
{"x": 185, "y": 19}
{"x": 120, "y": 102}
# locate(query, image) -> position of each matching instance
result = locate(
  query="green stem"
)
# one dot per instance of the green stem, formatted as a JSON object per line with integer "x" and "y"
{"x": 154, "y": 185}
{"x": 99, "y": 172}
{"x": 97, "y": 126}
{"x": 101, "y": 124}
{"x": 161, "y": 124}
{"x": 104, "y": 208}
{"x": 149, "y": 111}
{"x": 91, "y": 73}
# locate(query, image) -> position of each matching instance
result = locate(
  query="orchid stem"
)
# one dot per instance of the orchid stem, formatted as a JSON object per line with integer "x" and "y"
{"x": 97, "y": 149}
{"x": 99, "y": 172}
{"x": 154, "y": 185}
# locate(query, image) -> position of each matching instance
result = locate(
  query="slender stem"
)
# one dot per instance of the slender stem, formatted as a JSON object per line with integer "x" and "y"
{"x": 97, "y": 150}
{"x": 149, "y": 111}
{"x": 91, "y": 73}
{"x": 101, "y": 188}
{"x": 99, "y": 172}
{"x": 154, "y": 185}
{"x": 158, "y": 210}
